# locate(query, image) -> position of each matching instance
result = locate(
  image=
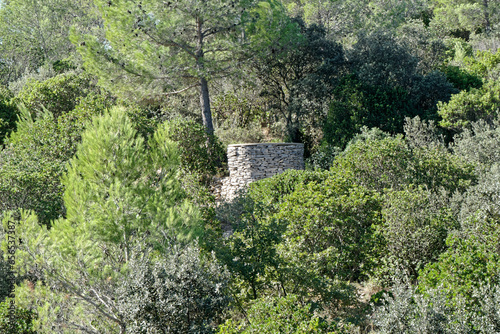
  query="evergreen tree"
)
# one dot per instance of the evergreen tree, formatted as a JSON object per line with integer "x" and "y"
{"x": 120, "y": 198}
{"x": 167, "y": 47}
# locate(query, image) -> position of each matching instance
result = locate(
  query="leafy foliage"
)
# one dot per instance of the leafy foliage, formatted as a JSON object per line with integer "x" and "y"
{"x": 200, "y": 153}
{"x": 249, "y": 252}
{"x": 479, "y": 144}
{"x": 23, "y": 319}
{"x": 297, "y": 78}
{"x": 473, "y": 255}
{"x": 31, "y": 166}
{"x": 415, "y": 225}
{"x": 378, "y": 161}
{"x": 178, "y": 292}
{"x": 461, "y": 79}
{"x": 59, "y": 94}
{"x": 329, "y": 228}
{"x": 35, "y": 34}
{"x": 273, "y": 191}
{"x": 405, "y": 311}
{"x": 467, "y": 107}
{"x": 35, "y": 157}
{"x": 278, "y": 315}
{"x": 382, "y": 88}
{"x": 8, "y": 113}
{"x": 113, "y": 191}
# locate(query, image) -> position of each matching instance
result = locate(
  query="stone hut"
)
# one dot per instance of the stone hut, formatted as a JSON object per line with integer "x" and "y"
{"x": 251, "y": 162}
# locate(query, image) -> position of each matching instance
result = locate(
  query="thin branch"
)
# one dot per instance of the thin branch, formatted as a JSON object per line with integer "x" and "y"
{"x": 181, "y": 90}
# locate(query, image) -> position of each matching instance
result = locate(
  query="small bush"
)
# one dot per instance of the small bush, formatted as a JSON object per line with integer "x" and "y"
{"x": 178, "y": 292}
{"x": 200, "y": 153}
{"x": 415, "y": 225}
{"x": 404, "y": 311}
{"x": 229, "y": 133}
{"x": 323, "y": 157}
{"x": 22, "y": 320}
{"x": 285, "y": 315}
{"x": 58, "y": 94}
{"x": 462, "y": 79}
{"x": 272, "y": 191}
{"x": 480, "y": 144}
{"x": 471, "y": 106}
{"x": 8, "y": 113}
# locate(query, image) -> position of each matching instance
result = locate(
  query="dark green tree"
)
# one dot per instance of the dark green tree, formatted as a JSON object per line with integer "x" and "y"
{"x": 384, "y": 85}
{"x": 297, "y": 78}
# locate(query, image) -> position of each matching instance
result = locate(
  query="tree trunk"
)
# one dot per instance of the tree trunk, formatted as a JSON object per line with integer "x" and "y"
{"x": 486, "y": 16}
{"x": 206, "y": 112}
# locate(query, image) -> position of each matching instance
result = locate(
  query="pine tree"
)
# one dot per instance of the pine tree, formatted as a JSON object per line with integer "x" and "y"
{"x": 120, "y": 198}
{"x": 167, "y": 47}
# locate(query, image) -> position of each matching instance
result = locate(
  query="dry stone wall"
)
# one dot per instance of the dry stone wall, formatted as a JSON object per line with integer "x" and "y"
{"x": 251, "y": 162}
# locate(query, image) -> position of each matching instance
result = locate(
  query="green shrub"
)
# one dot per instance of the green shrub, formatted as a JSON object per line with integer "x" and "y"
{"x": 473, "y": 254}
{"x": 461, "y": 79}
{"x": 272, "y": 191}
{"x": 404, "y": 311}
{"x": 471, "y": 106}
{"x": 471, "y": 260}
{"x": 378, "y": 161}
{"x": 178, "y": 292}
{"x": 323, "y": 157}
{"x": 359, "y": 105}
{"x": 8, "y": 114}
{"x": 384, "y": 86}
{"x": 415, "y": 225}
{"x": 200, "y": 153}
{"x": 22, "y": 320}
{"x": 480, "y": 144}
{"x": 285, "y": 315}
{"x": 329, "y": 228}
{"x": 229, "y": 133}
{"x": 228, "y": 108}
{"x": 121, "y": 197}
{"x": 31, "y": 166}
{"x": 58, "y": 94}
{"x": 485, "y": 64}
{"x": 249, "y": 252}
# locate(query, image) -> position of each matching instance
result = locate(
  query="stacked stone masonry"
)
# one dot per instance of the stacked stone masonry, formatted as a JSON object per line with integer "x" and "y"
{"x": 251, "y": 162}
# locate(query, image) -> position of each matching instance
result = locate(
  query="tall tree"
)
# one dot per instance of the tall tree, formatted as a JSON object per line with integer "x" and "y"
{"x": 158, "y": 48}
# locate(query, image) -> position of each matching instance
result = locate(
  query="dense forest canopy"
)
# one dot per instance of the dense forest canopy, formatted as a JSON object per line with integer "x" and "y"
{"x": 115, "y": 117}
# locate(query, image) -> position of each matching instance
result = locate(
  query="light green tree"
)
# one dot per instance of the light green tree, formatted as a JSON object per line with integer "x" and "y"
{"x": 120, "y": 198}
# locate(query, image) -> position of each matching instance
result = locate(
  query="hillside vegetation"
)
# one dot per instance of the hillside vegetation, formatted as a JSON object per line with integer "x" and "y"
{"x": 115, "y": 117}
